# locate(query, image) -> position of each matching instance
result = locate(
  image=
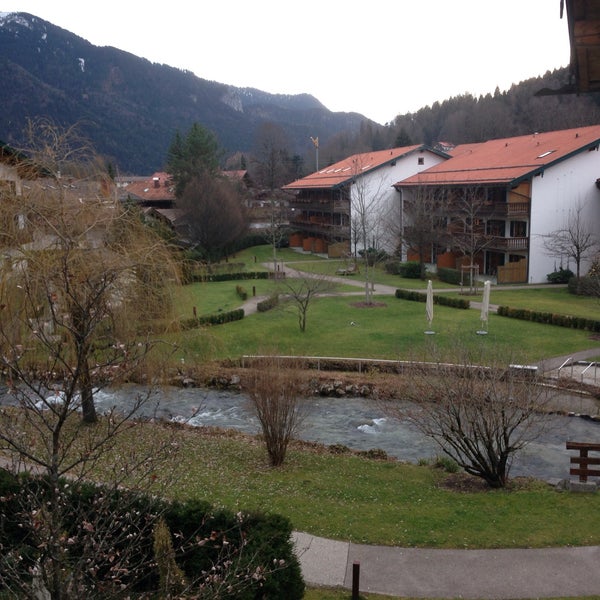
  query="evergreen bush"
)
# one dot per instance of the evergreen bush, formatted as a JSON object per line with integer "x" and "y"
{"x": 255, "y": 550}
{"x": 441, "y": 300}
{"x": 448, "y": 275}
{"x": 410, "y": 270}
{"x": 560, "y": 276}
{"x": 268, "y": 304}
{"x": 550, "y": 318}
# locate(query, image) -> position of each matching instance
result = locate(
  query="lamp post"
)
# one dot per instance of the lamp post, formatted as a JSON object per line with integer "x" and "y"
{"x": 315, "y": 141}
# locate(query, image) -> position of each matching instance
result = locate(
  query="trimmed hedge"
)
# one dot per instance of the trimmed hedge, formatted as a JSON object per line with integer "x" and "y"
{"x": 268, "y": 304}
{"x": 550, "y": 318}
{"x": 214, "y": 319}
{"x": 229, "y": 276}
{"x": 206, "y": 540}
{"x": 441, "y": 300}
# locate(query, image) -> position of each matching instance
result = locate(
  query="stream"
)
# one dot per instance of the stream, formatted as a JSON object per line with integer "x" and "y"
{"x": 354, "y": 422}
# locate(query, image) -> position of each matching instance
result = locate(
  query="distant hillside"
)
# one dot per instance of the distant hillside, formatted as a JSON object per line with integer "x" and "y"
{"x": 129, "y": 107}
{"x": 521, "y": 110}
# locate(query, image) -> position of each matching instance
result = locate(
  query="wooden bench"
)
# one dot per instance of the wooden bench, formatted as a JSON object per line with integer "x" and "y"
{"x": 583, "y": 461}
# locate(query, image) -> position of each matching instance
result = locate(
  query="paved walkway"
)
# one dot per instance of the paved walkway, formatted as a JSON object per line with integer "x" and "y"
{"x": 427, "y": 573}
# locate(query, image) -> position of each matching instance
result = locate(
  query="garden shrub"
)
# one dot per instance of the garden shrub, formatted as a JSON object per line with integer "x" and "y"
{"x": 207, "y": 277}
{"x": 410, "y": 270}
{"x": 256, "y": 546}
{"x": 392, "y": 266}
{"x": 448, "y": 275}
{"x": 550, "y": 318}
{"x": 441, "y": 300}
{"x": 214, "y": 319}
{"x": 584, "y": 286}
{"x": 447, "y": 464}
{"x": 560, "y": 276}
{"x": 268, "y": 304}
{"x": 241, "y": 292}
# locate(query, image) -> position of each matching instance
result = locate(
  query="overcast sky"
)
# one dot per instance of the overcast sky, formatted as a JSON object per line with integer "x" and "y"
{"x": 379, "y": 58}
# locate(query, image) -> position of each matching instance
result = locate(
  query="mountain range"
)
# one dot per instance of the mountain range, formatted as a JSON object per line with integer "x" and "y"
{"x": 129, "y": 107}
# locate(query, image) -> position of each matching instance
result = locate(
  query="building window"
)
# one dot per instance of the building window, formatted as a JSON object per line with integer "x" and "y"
{"x": 518, "y": 229}
{"x": 421, "y": 160}
{"x": 495, "y": 227}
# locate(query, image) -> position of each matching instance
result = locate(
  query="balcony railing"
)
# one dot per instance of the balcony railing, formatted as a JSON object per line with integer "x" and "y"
{"x": 312, "y": 226}
{"x": 512, "y": 243}
{"x": 325, "y": 204}
{"x": 503, "y": 209}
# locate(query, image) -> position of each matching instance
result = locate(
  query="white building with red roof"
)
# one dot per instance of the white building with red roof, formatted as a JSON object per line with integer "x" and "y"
{"x": 523, "y": 189}
{"x": 325, "y": 203}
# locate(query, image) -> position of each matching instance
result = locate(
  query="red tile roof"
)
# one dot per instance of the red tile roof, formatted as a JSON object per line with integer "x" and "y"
{"x": 157, "y": 187}
{"x": 507, "y": 160}
{"x": 343, "y": 171}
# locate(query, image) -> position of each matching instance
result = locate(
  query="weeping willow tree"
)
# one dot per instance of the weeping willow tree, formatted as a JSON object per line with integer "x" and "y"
{"x": 84, "y": 296}
{"x": 83, "y": 281}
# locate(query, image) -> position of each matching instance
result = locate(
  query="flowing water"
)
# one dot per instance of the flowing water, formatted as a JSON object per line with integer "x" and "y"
{"x": 355, "y": 422}
{"x": 358, "y": 423}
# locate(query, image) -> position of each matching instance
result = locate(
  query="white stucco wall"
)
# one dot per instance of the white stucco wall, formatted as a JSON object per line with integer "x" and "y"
{"x": 376, "y": 193}
{"x": 560, "y": 190}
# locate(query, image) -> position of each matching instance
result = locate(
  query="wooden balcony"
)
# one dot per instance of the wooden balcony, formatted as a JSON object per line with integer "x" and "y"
{"x": 318, "y": 226}
{"x": 503, "y": 209}
{"x": 322, "y": 204}
{"x": 509, "y": 244}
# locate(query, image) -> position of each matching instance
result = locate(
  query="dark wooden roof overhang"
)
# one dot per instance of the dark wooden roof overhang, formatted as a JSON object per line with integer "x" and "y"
{"x": 583, "y": 18}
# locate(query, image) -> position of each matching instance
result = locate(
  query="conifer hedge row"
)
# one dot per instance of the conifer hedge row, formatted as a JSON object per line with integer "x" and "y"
{"x": 441, "y": 300}
{"x": 214, "y": 319}
{"x": 550, "y": 318}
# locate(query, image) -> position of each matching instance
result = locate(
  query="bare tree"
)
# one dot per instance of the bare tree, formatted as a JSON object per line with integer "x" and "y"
{"x": 301, "y": 290}
{"x": 277, "y": 228}
{"x": 576, "y": 239}
{"x": 469, "y": 211}
{"x": 422, "y": 225}
{"x": 481, "y": 417}
{"x": 276, "y": 391}
{"x": 368, "y": 219}
{"x": 271, "y": 160}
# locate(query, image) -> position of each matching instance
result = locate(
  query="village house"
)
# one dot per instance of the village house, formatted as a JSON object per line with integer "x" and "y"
{"x": 324, "y": 202}
{"x": 157, "y": 191}
{"x": 512, "y": 194}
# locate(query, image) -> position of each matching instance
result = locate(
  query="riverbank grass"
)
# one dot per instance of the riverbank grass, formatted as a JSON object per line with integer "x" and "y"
{"x": 350, "y": 497}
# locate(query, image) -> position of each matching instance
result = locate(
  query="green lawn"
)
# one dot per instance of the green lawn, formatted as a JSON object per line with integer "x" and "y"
{"x": 349, "y": 497}
{"x": 548, "y": 299}
{"x": 393, "y": 329}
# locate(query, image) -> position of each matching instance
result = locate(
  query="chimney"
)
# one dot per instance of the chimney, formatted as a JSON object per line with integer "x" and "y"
{"x": 156, "y": 182}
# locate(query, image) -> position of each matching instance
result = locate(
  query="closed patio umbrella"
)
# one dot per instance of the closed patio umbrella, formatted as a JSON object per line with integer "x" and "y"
{"x": 429, "y": 306}
{"x": 485, "y": 308}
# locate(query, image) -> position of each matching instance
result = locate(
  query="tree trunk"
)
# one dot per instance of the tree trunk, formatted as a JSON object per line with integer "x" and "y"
{"x": 88, "y": 408}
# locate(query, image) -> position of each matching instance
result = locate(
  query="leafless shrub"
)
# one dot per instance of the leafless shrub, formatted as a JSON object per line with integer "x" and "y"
{"x": 276, "y": 392}
{"x": 480, "y": 416}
